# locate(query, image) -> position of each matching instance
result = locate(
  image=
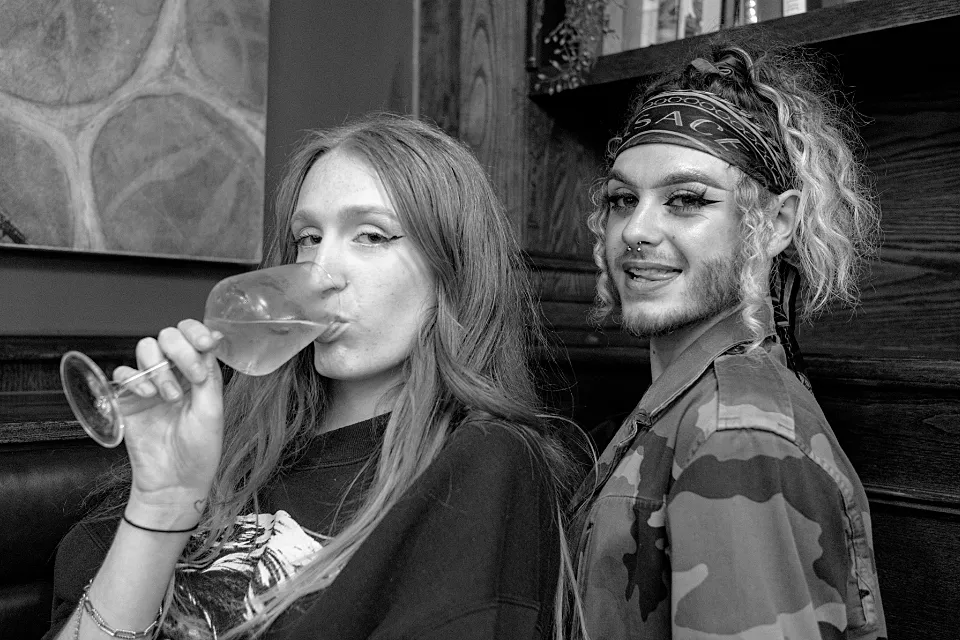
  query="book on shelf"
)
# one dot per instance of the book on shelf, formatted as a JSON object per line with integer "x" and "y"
{"x": 698, "y": 17}
{"x": 711, "y": 16}
{"x": 793, "y": 7}
{"x": 736, "y": 13}
{"x": 688, "y": 24}
{"x": 668, "y": 20}
{"x": 651, "y": 11}
{"x": 640, "y": 23}
{"x": 763, "y": 10}
{"x": 631, "y": 24}
{"x": 733, "y": 14}
{"x": 613, "y": 37}
{"x": 635, "y": 27}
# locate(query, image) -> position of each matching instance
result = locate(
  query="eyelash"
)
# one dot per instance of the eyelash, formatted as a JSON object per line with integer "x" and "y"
{"x": 384, "y": 239}
{"x": 298, "y": 241}
{"x": 690, "y": 201}
{"x": 615, "y": 201}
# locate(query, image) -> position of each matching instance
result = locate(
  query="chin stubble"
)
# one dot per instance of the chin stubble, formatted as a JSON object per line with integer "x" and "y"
{"x": 715, "y": 289}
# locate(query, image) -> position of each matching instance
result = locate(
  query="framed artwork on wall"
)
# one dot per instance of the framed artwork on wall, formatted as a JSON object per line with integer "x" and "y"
{"x": 134, "y": 126}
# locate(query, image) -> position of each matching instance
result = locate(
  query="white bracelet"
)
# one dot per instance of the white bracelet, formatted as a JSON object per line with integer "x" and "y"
{"x": 86, "y": 605}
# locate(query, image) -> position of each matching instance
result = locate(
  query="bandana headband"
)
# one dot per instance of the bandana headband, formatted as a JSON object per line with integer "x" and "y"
{"x": 708, "y": 123}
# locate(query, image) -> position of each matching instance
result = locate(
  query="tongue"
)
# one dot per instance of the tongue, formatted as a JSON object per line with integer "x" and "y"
{"x": 653, "y": 274}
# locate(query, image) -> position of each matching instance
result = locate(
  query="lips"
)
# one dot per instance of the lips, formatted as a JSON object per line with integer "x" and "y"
{"x": 652, "y": 273}
{"x": 645, "y": 277}
{"x": 648, "y": 270}
{"x": 332, "y": 332}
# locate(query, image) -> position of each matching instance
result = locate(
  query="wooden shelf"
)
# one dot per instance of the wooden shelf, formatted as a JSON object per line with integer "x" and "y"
{"x": 814, "y": 27}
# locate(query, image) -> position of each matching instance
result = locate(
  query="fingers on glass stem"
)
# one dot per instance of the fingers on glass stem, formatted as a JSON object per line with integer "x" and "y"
{"x": 150, "y": 356}
{"x": 135, "y": 380}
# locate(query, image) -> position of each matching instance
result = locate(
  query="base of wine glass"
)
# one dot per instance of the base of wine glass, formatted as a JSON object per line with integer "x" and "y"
{"x": 92, "y": 398}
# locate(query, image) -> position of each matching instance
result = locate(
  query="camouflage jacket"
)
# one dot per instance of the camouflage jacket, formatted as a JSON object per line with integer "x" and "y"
{"x": 724, "y": 508}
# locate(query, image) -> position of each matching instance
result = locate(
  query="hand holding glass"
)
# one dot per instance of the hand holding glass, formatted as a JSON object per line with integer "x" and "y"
{"x": 266, "y": 317}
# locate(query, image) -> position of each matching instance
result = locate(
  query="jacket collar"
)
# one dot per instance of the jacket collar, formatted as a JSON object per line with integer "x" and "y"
{"x": 728, "y": 333}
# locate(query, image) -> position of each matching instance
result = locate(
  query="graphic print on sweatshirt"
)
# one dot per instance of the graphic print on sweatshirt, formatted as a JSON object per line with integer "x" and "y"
{"x": 265, "y": 551}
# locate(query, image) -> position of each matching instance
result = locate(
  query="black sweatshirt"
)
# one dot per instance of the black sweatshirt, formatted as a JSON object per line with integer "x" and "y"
{"x": 470, "y": 552}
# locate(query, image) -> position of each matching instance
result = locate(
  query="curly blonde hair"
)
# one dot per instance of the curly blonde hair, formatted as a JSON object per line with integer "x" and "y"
{"x": 838, "y": 227}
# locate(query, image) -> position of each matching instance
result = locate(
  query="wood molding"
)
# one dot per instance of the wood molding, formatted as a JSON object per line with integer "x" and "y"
{"x": 53, "y": 347}
{"x": 40, "y": 431}
{"x": 27, "y": 406}
{"x": 939, "y": 503}
{"x": 545, "y": 261}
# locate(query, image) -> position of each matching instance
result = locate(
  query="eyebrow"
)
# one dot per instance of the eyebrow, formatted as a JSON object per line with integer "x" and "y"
{"x": 677, "y": 177}
{"x": 353, "y": 211}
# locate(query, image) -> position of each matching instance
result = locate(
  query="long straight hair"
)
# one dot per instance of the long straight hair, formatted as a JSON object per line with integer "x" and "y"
{"x": 471, "y": 362}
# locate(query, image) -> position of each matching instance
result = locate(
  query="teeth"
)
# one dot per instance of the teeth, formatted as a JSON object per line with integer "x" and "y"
{"x": 647, "y": 272}
{"x": 652, "y": 274}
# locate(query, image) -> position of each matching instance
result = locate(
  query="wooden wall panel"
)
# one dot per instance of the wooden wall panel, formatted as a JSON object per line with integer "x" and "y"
{"x": 493, "y": 102}
{"x": 563, "y": 166}
{"x": 898, "y": 421}
{"x": 564, "y": 280}
{"x": 911, "y": 132}
{"x": 925, "y": 231}
{"x": 918, "y": 559}
{"x": 540, "y": 169}
{"x": 439, "y": 68}
{"x": 905, "y": 310}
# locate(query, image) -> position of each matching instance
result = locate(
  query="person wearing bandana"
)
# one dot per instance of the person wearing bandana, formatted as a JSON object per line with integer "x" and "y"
{"x": 723, "y": 506}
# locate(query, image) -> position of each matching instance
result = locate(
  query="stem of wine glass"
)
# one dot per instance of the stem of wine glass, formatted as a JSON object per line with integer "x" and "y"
{"x": 122, "y": 385}
{"x": 130, "y": 403}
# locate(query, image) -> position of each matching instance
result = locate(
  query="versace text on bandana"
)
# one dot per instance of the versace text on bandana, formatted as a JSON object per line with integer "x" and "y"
{"x": 705, "y": 122}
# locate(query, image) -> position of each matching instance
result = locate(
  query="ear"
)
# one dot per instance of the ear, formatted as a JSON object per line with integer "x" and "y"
{"x": 784, "y": 222}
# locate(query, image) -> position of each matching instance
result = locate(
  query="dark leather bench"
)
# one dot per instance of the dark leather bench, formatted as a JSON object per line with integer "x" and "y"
{"x": 47, "y": 467}
{"x": 42, "y": 486}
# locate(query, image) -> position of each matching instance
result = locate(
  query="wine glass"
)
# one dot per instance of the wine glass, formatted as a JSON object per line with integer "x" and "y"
{"x": 266, "y": 317}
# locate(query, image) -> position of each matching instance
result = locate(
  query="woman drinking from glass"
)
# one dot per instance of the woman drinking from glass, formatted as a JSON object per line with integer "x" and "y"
{"x": 397, "y": 478}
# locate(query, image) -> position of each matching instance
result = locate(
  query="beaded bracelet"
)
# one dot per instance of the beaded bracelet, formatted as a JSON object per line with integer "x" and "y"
{"x": 86, "y": 605}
